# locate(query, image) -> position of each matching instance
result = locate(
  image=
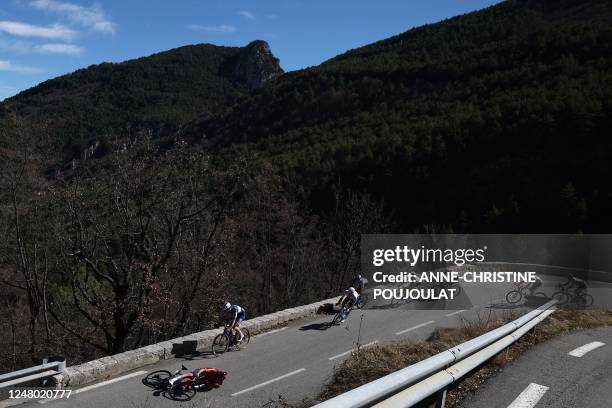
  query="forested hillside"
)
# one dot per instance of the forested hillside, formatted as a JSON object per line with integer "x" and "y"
{"x": 107, "y": 103}
{"x": 494, "y": 121}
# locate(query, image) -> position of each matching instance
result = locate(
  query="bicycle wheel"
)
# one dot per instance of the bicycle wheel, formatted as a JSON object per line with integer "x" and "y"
{"x": 363, "y": 298}
{"x": 246, "y": 338}
{"x": 337, "y": 318}
{"x": 182, "y": 392}
{"x": 584, "y": 300}
{"x": 157, "y": 379}
{"x": 514, "y": 296}
{"x": 220, "y": 344}
{"x": 561, "y": 297}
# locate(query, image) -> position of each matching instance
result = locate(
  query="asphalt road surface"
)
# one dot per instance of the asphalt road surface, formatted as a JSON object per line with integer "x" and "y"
{"x": 298, "y": 360}
{"x": 572, "y": 371}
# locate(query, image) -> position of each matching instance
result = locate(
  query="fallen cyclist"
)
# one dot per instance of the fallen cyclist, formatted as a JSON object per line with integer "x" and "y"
{"x": 209, "y": 377}
{"x": 204, "y": 378}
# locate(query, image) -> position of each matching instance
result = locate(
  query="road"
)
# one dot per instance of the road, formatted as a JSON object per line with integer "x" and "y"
{"x": 296, "y": 361}
{"x": 571, "y": 371}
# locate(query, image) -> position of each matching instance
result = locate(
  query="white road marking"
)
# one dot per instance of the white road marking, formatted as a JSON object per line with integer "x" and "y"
{"x": 350, "y": 351}
{"x": 529, "y": 397}
{"x": 418, "y": 326}
{"x": 455, "y": 312}
{"x": 582, "y": 350}
{"x": 269, "y": 382}
{"x": 98, "y": 385}
{"x": 272, "y": 331}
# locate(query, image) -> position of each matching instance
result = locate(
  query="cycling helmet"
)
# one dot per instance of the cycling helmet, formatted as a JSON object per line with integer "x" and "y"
{"x": 352, "y": 289}
{"x": 227, "y": 306}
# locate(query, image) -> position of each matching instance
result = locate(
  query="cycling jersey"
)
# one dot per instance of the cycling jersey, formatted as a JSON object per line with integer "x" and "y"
{"x": 358, "y": 283}
{"x": 536, "y": 282}
{"x": 352, "y": 294}
{"x": 237, "y": 312}
{"x": 212, "y": 376}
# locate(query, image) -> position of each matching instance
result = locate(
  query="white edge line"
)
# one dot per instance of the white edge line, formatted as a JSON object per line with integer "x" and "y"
{"x": 272, "y": 331}
{"x": 268, "y": 382}
{"x": 114, "y": 380}
{"x": 350, "y": 351}
{"x": 418, "y": 326}
{"x": 98, "y": 385}
{"x": 455, "y": 312}
{"x": 529, "y": 397}
{"x": 582, "y": 350}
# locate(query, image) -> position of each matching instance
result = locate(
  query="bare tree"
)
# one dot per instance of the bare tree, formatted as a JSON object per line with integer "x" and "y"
{"x": 355, "y": 214}
{"x": 24, "y": 251}
{"x": 121, "y": 237}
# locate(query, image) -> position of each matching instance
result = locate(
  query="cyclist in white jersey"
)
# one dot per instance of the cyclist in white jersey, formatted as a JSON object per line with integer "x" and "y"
{"x": 238, "y": 314}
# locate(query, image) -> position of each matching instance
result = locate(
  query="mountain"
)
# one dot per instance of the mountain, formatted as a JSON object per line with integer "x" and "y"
{"x": 158, "y": 93}
{"x": 498, "y": 120}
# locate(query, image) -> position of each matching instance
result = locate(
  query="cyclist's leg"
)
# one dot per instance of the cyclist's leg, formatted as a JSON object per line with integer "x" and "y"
{"x": 239, "y": 319}
{"x": 345, "y": 307}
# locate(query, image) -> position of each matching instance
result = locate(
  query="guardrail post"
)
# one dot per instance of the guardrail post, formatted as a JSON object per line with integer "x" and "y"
{"x": 60, "y": 360}
{"x": 441, "y": 398}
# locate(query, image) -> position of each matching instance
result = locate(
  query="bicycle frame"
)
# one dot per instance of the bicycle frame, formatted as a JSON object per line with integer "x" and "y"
{"x": 185, "y": 379}
{"x": 231, "y": 334}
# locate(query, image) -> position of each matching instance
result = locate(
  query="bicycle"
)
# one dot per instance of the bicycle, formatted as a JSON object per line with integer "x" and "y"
{"x": 581, "y": 299}
{"x": 178, "y": 386}
{"x": 341, "y": 314}
{"x": 576, "y": 297}
{"x": 226, "y": 340}
{"x": 515, "y": 296}
{"x": 361, "y": 301}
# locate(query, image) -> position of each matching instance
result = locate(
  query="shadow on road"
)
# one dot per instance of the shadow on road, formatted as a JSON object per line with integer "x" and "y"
{"x": 316, "y": 326}
{"x": 164, "y": 389}
{"x": 530, "y": 301}
{"x": 198, "y": 355}
{"x": 504, "y": 306}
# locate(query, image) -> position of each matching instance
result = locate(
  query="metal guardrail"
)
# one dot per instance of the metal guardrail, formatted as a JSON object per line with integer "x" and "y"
{"x": 51, "y": 366}
{"x": 436, "y": 373}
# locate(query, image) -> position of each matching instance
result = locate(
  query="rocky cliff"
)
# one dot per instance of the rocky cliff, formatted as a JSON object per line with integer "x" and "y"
{"x": 257, "y": 65}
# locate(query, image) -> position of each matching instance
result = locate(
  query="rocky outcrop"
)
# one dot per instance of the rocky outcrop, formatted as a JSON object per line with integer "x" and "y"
{"x": 257, "y": 65}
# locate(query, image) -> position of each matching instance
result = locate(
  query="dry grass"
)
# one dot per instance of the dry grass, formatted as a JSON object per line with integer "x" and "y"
{"x": 372, "y": 363}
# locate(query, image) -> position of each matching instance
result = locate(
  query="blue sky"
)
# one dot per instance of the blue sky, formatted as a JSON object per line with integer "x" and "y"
{"x": 41, "y": 39}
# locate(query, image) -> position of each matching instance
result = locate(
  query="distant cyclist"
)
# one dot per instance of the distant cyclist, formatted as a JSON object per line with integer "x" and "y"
{"x": 579, "y": 284}
{"x": 537, "y": 283}
{"x": 358, "y": 283}
{"x": 348, "y": 300}
{"x": 238, "y": 314}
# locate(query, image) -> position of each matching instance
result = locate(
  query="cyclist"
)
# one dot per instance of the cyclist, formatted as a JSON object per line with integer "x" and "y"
{"x": 212, "y": 377}
{"x": 537, "y": 283}
{"x": 238, "y": 314}
{"x": 358, "y": 283}
{"x": 205, "y": 377}
{"x": 579, "y": 284}
{"x": 348, "y": 300}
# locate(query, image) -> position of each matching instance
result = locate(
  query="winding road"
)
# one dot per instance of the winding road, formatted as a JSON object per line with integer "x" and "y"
{"x": 296, "y": 361}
